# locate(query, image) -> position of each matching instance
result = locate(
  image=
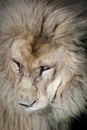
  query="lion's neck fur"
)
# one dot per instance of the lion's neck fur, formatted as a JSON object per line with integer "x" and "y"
{"x": 13, "y": 120}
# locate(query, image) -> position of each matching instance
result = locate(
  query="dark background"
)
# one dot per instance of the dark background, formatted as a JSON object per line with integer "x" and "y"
{"x": 80, "y": 123}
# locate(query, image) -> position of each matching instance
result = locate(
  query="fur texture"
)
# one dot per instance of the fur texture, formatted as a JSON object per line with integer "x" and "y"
{"x": 43, "y": 63}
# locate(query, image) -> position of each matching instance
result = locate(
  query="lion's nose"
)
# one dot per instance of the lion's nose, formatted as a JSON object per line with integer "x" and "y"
{"x": 27, "y": 105}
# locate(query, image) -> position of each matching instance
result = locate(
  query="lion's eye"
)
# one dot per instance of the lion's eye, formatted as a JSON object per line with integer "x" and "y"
{"x": 43, "y": 69}
{"x": 18, "y": 65}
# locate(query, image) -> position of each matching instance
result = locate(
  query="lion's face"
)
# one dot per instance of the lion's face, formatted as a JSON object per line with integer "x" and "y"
{"x": 39, "y": 70}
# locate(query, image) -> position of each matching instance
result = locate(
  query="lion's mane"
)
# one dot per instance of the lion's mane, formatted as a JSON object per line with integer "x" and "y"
{"x": 22, "y": 15}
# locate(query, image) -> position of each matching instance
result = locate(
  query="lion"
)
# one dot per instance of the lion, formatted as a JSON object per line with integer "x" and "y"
{"x": 43, "y": 63}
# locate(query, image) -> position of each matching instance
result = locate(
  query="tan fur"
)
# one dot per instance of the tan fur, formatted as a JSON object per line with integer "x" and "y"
{"x": 49, "y": 34}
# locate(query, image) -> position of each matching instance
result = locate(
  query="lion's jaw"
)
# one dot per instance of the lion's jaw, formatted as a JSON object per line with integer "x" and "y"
{"x": 38, "y": 72}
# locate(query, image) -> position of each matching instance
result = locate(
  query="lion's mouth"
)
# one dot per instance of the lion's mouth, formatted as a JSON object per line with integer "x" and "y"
{"x": 27, "y": 105}
{"x": 35, "y": 105}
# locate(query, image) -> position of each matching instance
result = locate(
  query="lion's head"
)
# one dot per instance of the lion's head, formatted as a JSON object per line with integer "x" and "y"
{"x": 39, "y": 71}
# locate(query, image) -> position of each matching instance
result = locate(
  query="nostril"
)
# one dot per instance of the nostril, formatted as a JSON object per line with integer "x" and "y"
{"x": 27, "y": 105}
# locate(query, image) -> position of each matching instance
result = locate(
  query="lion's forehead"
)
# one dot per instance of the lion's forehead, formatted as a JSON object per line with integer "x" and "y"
{"x": 32, "y": 52}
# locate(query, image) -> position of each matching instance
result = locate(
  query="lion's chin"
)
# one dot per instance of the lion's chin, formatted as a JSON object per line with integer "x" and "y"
{"x": 34, "y": 109}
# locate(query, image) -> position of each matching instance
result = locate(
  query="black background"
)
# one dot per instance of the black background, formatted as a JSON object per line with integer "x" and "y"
{"x": 80, "y": 123}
